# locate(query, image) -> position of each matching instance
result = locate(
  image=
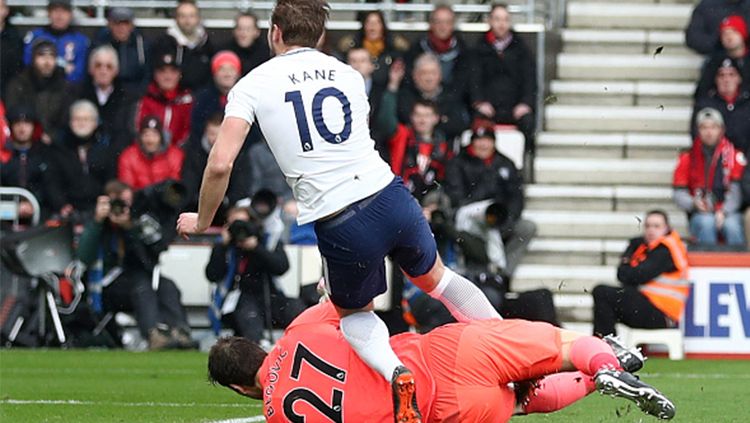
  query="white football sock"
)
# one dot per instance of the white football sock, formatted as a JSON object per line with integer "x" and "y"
{"x": 368, "y": 335}
{"x": 464, "y": 300}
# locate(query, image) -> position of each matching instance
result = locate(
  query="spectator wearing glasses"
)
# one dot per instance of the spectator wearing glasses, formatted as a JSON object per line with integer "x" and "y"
{"x": 131, "y": 46}
{"x": 114, "y": 101}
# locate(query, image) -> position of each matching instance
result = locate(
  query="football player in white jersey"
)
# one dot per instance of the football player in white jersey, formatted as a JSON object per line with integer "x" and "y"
{"x": 313, "y": 111}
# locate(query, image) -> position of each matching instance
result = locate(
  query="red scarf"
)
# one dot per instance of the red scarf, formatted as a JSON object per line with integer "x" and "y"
{"x": 498, "y": 44}
{"x": 724, "y": 154}
{"x": 440, "y": 46}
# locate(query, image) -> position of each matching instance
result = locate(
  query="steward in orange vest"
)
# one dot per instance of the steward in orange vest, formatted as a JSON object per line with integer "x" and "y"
{"x": 653, "y": 273}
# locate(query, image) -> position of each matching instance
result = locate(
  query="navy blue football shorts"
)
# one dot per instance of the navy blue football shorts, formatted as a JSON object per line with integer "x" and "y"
{"x": 355, "y": 242}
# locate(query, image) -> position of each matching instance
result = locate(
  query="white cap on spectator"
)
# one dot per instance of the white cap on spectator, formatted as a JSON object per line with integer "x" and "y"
{"x": 709, "y": 113}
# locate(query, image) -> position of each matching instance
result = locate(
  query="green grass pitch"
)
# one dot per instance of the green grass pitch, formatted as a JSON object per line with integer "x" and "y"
{"x": 117, "y": 386}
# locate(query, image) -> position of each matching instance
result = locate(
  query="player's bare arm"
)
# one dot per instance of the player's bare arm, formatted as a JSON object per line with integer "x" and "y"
{"x": 216, "y": 176}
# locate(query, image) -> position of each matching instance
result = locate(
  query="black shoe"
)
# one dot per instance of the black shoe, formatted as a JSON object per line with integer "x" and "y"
{"x": 404, "y": 390}
{"x": 631, "y": 359}
{"x": 624, "y": 385}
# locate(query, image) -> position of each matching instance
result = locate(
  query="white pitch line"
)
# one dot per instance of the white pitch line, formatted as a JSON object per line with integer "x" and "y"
{"x": 696, "y": 375}
{"x": 243, "y": 420}
{"x": 126, "y": 404}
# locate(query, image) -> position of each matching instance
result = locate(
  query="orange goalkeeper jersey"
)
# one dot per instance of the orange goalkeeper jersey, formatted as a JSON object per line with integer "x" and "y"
{"x": 313, "y": 375}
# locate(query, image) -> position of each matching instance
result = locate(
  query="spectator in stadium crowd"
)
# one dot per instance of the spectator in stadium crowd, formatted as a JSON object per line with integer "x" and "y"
{"x": 442, "y": 41}
{"x": 150, "y": 159}
{"x": 246, "y": 42}
{"x": 82, "y": 161}
{"x": 196, "y": 157}
{"x": 42, "y": 87}
{"x": 504, "y": 86}
{"x": 169, "y": 100}
{"x": 734, "y": 35}
{"x": 120, "y": 265}
{"x": 189, "y": 43}
{"x": 733, "y": 101}
{"x": 243, "y": 263}
{"x": 428, "y": 85}
{"x": 487, "y": 190}
{"x": 745, "y": 187}
{"x": 266, "y": 174}
{"x": 115, "y": 102}
{"x": 225, "y": 68}
{"x": 702, "y": 32}
{"x": 373, "y": 36}
{"x": 131, "y": 47}
{"x": 359, "y": 59}
{"x": 706, "y": 183}
{"x": 71, "y": 46}
{"x": 653, "y": 272}
{"x": 25, "y": 163}
{"x": 11, "y": 48}
{"x": 418, "y": 151}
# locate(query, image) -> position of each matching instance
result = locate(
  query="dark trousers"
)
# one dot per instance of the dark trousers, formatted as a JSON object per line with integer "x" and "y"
{"x": 624, "y": 305}
{"x": 249, "y": 317}
{"x": 132, "y": 292}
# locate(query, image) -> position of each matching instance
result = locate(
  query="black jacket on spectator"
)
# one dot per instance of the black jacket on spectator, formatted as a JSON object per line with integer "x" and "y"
{"x": 455, "y": 64}
{"x": 454, "y": 115}
{"x": 72, "y": 180}
{"x": 11, "y": 55}
{"x": 736, "y": 116}
{"x": 266, "y": 172}
{"x": 48, "y": 97}
{"x": 469, "y": 179}
{"x": 261, "y": 263}
{"x": 194, "y": 63}
{"x": 745, "y": 184}
{"x": 702, "y": 33}
{"x": 707, "y": 79}
{"x": 504, "y": 80}
{"x": 116, "y": 115}
{"x": 133, "y": 56}
{"x": 26, "y": 169}
{"x": 250, "y": 57}
{"x": 658, "y": 261}
{"x": 206, "y": 101}
{"x": 196, "y": 157}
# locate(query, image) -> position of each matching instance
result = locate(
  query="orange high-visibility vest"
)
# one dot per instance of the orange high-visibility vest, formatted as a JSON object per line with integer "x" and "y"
{"x": 668, "y": 291}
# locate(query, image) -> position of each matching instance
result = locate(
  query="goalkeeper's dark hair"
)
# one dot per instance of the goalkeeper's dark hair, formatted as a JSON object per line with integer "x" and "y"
{"x": 234, "y": 361}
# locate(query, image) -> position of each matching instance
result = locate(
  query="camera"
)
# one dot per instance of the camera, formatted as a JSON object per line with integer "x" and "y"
{"x": 117, "y": 206}
{"x": 240, "y": 230}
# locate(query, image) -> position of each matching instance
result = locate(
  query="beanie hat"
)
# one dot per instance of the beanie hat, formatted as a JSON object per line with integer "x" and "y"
{"x": 151, "y": 122}
{"x": 43, "y": 45}
{"x": 736, "y": 23}
{"x": 225, "y": 57}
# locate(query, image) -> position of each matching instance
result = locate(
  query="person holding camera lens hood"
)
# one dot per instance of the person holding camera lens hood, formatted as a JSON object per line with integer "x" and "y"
{"x": 118, "y": 250}
{"x": 243, "y": 265}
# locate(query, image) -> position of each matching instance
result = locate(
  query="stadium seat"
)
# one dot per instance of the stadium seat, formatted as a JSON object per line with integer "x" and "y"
{"x": 672, "y": 338}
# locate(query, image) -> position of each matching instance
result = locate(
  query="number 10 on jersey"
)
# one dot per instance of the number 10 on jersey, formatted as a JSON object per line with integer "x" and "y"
{"x": 295, "y": 97}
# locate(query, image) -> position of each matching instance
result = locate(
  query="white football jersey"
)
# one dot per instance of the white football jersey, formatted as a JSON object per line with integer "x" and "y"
{"x": 313, "y": 111}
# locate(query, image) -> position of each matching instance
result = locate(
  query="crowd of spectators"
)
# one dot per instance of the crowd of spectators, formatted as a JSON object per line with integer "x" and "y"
{"x": 92, "y": 120}
{"x": 710, "y": 178}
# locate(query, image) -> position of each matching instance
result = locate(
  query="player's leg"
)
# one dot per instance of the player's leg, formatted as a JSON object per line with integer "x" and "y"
{"x": 416, "y": 252}
{"x": 555, "y": 392}
{"x": 595, "y": 358}
{"x": 353, "y": 249}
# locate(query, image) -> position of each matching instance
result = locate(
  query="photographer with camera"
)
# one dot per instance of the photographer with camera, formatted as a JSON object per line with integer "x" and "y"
{"x": 120, "y": 249}
{"x": 243, "y": 268}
